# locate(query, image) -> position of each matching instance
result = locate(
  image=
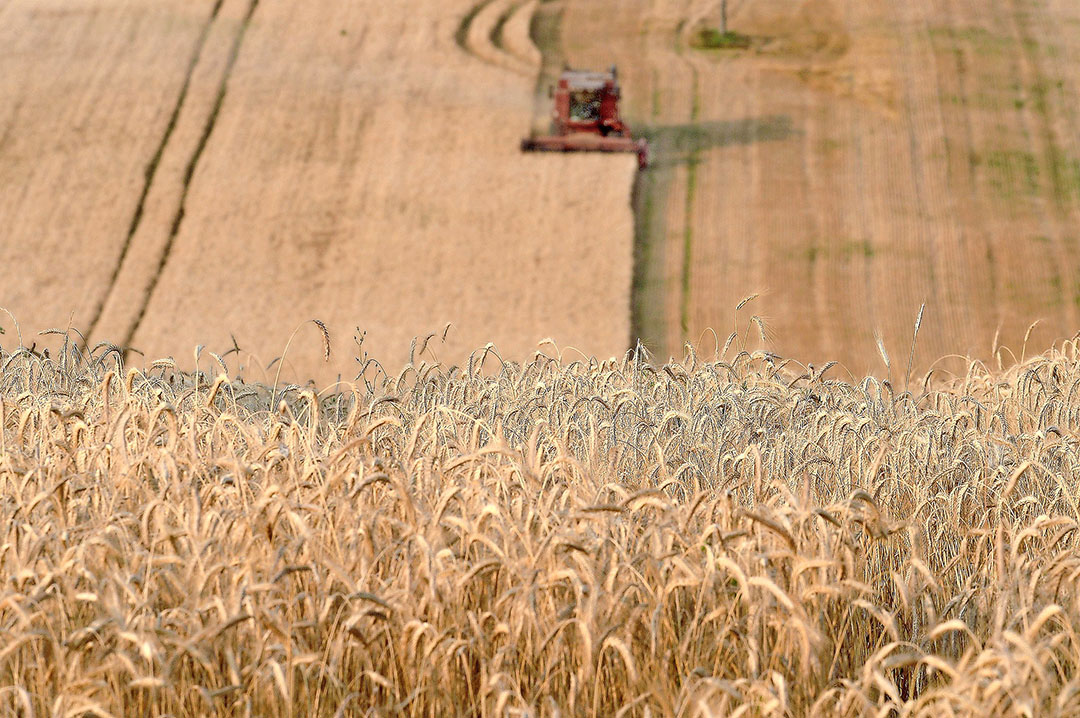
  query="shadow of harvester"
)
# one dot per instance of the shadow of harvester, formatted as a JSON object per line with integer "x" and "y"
{"x": 673, "y": 145}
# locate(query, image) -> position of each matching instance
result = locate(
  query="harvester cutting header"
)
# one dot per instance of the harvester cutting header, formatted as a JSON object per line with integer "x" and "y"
{"x": 585, "y": 118}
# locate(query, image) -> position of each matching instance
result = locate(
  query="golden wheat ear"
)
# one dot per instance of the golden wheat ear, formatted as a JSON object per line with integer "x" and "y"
{"x": 616, "y": 535}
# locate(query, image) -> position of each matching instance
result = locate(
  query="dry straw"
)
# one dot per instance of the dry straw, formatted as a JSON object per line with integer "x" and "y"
{"x": 548, "y": 538}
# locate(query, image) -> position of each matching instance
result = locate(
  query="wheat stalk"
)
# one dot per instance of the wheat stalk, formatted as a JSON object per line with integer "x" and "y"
{"x": 578, "y": 537}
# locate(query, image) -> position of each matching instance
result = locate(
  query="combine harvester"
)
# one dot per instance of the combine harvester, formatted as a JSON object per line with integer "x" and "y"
{"x": 586, "y": 118}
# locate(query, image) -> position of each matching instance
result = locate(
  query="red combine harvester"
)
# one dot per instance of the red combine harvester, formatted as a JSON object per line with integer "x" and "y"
{"x": 586, "y": 118}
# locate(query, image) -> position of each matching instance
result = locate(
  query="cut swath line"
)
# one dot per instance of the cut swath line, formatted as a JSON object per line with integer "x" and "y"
{"x": 688, "y": 249}
{"x": 496, "y": 34}
{"x": 461, "y": 35}
{"x": 189, "y": 172}
{"x": 152, "y": 167}
{"x": 480, "y": 35}
{"x": 688, "y": 220}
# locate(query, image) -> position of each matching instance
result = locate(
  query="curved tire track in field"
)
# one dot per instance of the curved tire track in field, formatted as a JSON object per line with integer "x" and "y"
{"x": 516, "y": 35}
{"x": 496, "y": 32}
{"x": 152, "y": 167}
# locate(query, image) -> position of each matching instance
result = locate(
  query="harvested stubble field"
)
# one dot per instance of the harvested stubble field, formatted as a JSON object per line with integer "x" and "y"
{"x": 182, "y": 173}
{"x": 726, "y": 537}
{"x": 859, "y": 159}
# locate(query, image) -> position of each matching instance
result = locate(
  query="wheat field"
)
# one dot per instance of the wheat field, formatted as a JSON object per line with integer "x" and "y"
{"x": 859, "y": 154}
{"x": 737, "y": 535}
{"x": 181, "y": 173}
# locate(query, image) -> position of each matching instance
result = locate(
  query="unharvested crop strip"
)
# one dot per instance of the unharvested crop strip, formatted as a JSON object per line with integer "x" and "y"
{"x": 152, "y": 166}
{"x": 189, "y": 172}
{"x": 827, "y": 578}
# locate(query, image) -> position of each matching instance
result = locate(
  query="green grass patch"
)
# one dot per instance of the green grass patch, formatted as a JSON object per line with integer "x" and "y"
{"x": 981, "y": 41}
{"x": 856, "y": 247}
{"x": 1055, "y": 291}
{"x": 1011, "y": 173}
{"x": 710, "y": 38}
{"x": 828, "y": 145}
{"x": 1064, "y": 175}
{"x": 1015, "y": 173}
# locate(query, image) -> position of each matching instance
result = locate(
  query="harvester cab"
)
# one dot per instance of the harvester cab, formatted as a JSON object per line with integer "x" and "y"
{"x": 585, "y": 118}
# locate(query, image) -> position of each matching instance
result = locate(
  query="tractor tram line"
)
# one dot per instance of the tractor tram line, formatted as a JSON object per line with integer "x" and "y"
{"x": 152, "y": 167}
{"x": 159, "y": 213}
{"x": 190, "y": 171}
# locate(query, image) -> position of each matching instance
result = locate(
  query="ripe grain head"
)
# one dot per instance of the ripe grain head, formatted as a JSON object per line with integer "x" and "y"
{"x": 580, "y": 538}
